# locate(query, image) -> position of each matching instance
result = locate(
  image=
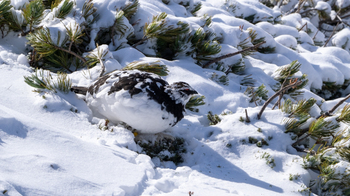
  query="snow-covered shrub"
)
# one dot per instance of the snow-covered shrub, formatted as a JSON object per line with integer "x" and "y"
{"x": 165, "y": 149}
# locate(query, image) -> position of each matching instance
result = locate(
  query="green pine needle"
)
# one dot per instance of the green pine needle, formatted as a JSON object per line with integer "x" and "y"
{"x": 53, "y": 3}
{"x": 195, "y": 101}
{"x": 33, "y": 13}
{"x": 65, "y": 9}
{"x": 41, "y": 41}
{"x": 5, "y": 6}
{"x": 42, "y": 81}
{"x": 36, "y": 82}
{"x": 322, "y": 128}
{"x": 63, "y": 83}
{"x": 130, "y": 9}
{"x": 196, "y": 8}
{"x": 288, "y": 71}
{"x": 153, "y": 67}
{"x": 74, "y": 33}
{"x": 345, "y": 114}
{"x": 88, "y": 9}
{"x": 257, "y": 95}
{"x": 302, "y": 107}
{"x": 287, "y": 106}
{"x": 293, "y": 125}
{"x": 119, "y": 26}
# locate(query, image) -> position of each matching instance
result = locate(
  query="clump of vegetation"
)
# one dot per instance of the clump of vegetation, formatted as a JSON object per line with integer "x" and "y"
{"x": 42, "y": 80}
{"x": 257, "y": 95}
{"x": 259, "y": 143}
{"x": 270, "y": 161}
{"x": 294, "y": 177}
{"x": 166, "y": 149}
{"x": 213, "y": 119}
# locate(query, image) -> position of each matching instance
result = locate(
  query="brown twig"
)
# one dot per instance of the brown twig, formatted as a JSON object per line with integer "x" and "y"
{"x": 70, "y": 52}
{"x": 281, "y": 95}
{"x": 232, "y": 54}
{"x": 331, "y": 35}
{"x": 301, "y": 139}
{"x": 247, "y": 117}
{"x": 341, "y": 20}
{"x": 302, "y": 27}
{"x": 313, "y": 38}
{"x": 336, "y": 106}
{"x": 296, "y": 83}
{"x": 140, "y": 42}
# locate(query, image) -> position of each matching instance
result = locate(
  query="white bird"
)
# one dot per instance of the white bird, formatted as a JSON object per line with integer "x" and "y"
{"x": 140, "y": 99}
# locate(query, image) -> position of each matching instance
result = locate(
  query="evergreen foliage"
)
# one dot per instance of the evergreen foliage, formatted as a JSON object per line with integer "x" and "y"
{"x": 34, "y": 13}
{"x": 344, "y": 115}
{"x": 331, "y": 181}
{"x": 221, "y": 80}
{"x": 42, "y": 42}
{"x": 204, "y": 45}
{"x": 88, "y": 10}
{"x": 165, "y": 150}
{"x": 130, "y": 9}
{"x": 194, "y": 102}
{"x": 44, "y": 81}
{"x": 257, "y": 94}
{"x": 285, "y": 75}
{"x": 154, "y": 67}
{"x": 65, "y": 9}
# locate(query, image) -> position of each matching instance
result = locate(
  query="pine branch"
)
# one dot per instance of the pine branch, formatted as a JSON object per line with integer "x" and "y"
{"x": 44, "y": 45}
{"x": 232, "y": 54}
{"x": 152, "y": 67}
{"x": 292, "y": 85}
{"x": 33, "y": 13}
{"x": 70, "y": 52}
{"x": 65, "y": 9}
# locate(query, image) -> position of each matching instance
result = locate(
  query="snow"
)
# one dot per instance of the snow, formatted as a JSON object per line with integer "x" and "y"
{"x": 55, "y": 144}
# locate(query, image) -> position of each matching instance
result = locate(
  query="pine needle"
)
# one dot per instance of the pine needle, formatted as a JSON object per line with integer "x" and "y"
{"x": 153, "y": 67}
{"x": 65, "y": 9}
{"x": 194, "y": 102}
{"x": 130, "y": 9}
{"x": 33, "y": 13}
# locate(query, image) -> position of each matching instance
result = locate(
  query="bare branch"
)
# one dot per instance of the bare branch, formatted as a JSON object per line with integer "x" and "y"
{"x": 302, "y": 27}
{"x": 331, "y": 35}
{"x": 294, "y": 84}
{"x": 232, "y": 54}
{"x": 313, "y": 38}
{"x": 70, "y": 52}
{"x": 336, "y": 106}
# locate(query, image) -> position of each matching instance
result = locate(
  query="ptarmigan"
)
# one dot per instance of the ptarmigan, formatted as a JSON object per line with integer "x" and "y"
{"x": 142, "y": 100}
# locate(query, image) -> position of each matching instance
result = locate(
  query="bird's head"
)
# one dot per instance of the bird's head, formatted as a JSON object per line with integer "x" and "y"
{"x": 182, "y": 91}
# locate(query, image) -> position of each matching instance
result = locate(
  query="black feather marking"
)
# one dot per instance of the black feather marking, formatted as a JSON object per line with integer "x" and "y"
{"x": 154, "y": 88}
{"x": 94, "y": 88}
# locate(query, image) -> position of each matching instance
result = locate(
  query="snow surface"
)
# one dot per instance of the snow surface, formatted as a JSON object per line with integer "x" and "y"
{"x": 50, "y": 144}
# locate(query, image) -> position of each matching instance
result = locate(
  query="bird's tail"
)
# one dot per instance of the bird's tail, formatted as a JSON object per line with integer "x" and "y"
{"x": 79, "y": 90}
